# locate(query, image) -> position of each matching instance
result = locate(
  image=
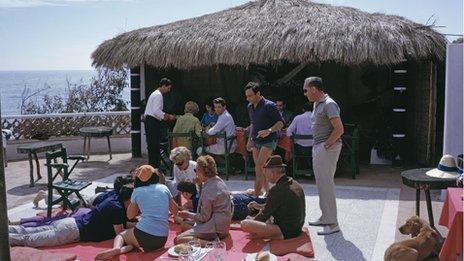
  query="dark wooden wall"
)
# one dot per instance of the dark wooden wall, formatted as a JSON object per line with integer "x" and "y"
{"x": 363, "y": 93}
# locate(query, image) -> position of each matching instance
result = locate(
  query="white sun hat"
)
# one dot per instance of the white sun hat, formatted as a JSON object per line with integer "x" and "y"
{"x": 446, "y": 169}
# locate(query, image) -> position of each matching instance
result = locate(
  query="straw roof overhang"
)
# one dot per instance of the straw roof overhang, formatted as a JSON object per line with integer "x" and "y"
{"x": 269, "y": 31}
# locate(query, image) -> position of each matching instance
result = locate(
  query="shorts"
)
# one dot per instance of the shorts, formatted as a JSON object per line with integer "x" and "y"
{"x": 289, "y": 232}
{"x": 147, "y": 241}
{"x": 258, "y": 144}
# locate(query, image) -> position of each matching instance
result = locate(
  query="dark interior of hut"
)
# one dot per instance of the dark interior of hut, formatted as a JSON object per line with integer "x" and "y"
{"x": 364, "y": 94}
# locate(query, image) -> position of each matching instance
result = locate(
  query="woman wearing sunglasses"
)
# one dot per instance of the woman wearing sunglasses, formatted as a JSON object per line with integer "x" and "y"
{"x": 184, "y": 169}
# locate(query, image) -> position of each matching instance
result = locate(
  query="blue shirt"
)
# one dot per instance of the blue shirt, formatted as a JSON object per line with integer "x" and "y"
{"x": 97, "y": 225}
{"x": 103, "y": 196}
{"x": 207, "y": 119}
{"x": 153, "y": 202}
{"x": 263, "y": 117}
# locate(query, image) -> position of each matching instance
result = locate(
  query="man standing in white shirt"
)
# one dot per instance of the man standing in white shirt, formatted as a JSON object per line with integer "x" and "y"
{"x": 225, "y": 123}
{"x": 153, "y": 116}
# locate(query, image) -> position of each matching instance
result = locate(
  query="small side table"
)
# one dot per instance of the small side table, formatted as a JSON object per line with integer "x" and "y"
{"x": 95, "y": 132}
{"x": 32, "y": 149}
{"x": 416, "y": 178}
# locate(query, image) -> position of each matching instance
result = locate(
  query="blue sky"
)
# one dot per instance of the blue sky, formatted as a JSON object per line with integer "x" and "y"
{"x": 61, "y": 34}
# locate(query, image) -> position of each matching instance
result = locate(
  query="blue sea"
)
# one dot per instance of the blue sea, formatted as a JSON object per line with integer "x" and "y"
{"x": 13, "y": 83}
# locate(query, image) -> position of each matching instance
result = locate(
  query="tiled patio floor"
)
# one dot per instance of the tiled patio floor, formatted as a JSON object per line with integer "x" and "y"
{"x": 19, "y": 192}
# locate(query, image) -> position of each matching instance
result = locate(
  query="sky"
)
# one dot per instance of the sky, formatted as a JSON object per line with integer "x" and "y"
{"x": 62, "y": 34}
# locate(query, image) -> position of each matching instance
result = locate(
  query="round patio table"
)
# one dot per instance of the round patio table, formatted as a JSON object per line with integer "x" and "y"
{"x": 95, "y": 132}
{"x": 416, "y": 178}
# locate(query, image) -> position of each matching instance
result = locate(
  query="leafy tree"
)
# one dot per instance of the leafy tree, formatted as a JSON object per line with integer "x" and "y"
{"x": 103, "y": 93}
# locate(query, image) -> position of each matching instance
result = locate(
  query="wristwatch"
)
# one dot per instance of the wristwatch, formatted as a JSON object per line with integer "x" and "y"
{"x": 270, "y": 130}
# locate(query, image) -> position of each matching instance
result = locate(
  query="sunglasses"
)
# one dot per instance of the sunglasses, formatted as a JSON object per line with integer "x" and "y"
{"x": 180, "y": 163}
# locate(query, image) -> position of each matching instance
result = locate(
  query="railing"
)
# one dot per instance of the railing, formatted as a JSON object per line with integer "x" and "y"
{"x": 64, "y": 124}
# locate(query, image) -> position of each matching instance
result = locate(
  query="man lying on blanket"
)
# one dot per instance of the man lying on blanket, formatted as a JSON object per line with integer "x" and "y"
{"x": 102, "y": 223}
{"x": 240, "y": 209}
{"x": 285, "y": 203}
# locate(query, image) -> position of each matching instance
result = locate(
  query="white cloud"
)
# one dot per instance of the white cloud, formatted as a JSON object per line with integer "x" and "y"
{"x": 33, "y": 3}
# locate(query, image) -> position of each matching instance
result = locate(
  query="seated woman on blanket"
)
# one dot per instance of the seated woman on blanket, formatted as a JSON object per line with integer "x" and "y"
{"x": 152, "y": 201}
{"x": 183, "y": 170}
{"x": 102, "y": 223}
{"x": 214, "y": 205}
{"x": 240, "y": 201}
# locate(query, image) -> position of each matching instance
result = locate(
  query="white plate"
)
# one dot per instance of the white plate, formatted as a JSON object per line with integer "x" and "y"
{"x": 252, "y": 256}
{"x": 173, "y": 253}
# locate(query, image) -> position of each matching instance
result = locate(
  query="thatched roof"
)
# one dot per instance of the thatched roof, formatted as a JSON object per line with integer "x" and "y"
{"x": 267, "y": 31}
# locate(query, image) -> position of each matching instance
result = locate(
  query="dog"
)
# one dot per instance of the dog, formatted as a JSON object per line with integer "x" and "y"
{"x": 413, "y": 226}
{"x": 423, "y": 243}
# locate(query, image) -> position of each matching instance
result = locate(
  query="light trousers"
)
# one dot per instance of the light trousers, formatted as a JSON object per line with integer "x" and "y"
{"x": 60, "y": 232}
{"x": 324, "y": 166}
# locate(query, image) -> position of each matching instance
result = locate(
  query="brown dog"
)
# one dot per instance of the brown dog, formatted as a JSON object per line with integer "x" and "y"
{"x": 423, "y": 242}
{"x": 413, "y": 226}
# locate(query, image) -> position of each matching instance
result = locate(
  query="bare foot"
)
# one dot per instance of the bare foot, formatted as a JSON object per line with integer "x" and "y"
{"x": 107, "y": 254}
{"x": 126, "y": 249}
{"x": 14, "y": 223}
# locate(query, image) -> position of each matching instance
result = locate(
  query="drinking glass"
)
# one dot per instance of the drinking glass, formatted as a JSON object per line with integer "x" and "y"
{"x": 219, "y": 251}
{"x": 196, "y": 246}
{"x": 185, "y": 255}
{"x": 209, "y": 247}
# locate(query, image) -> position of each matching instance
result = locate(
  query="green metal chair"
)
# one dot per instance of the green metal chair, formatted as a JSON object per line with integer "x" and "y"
{"x": 228, "y": 141}
{"x": 349, "y": 155}
{"x": 191, "y": 136}
{"x": 57, "y": 165}
{"x": 297, "y": 155}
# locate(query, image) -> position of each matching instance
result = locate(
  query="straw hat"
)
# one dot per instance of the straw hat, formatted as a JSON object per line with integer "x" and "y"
{"x": 144, "y": 172}
{"x": 460, "y": 163}
{"x": 446, "y": 169}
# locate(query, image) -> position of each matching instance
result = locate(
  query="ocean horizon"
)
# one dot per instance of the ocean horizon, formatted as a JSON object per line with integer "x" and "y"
{"x": 55, "y": 82}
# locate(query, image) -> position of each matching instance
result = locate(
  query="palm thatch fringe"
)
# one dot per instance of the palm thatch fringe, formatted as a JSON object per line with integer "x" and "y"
{"x": 269, "y": 31}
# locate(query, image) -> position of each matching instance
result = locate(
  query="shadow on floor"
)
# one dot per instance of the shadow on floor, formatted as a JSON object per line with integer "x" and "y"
{"x": 24, "y": 190}
{"x": 340, "y": 248}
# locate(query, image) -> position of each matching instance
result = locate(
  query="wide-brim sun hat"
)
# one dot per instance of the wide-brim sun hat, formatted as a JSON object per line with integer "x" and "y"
{"x": 446, "y": 169}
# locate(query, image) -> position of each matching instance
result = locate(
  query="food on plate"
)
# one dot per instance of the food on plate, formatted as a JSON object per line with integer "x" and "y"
{"x": 182, "y": 247}
{"x": 263, "y": 256}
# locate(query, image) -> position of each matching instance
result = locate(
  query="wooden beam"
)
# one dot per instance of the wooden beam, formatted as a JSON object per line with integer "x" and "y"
{"x": 291, "y": 74}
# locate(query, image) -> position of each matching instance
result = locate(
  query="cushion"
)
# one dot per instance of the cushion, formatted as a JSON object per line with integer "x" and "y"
{"x": 29, "y": 253}
{"x": 300, "y": 245}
